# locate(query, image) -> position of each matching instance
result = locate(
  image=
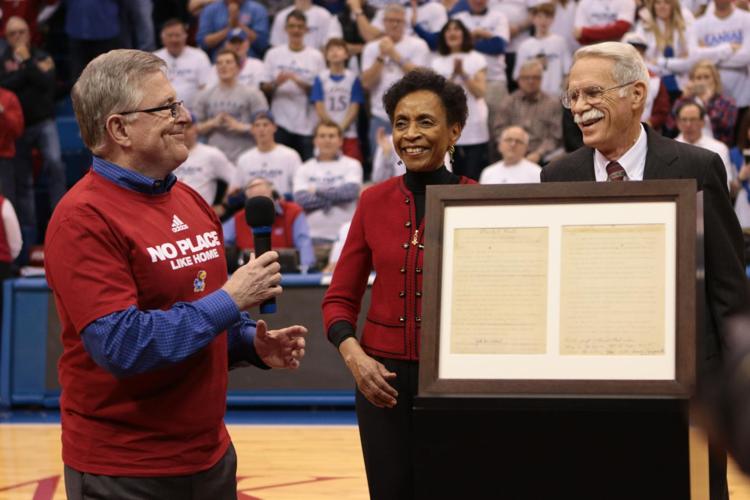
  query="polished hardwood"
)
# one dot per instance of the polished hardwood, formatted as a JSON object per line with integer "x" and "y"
{"x": 275, "y": 463}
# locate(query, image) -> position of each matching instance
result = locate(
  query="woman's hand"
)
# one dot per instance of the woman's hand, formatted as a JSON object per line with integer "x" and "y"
{"x": 371, "y": 376}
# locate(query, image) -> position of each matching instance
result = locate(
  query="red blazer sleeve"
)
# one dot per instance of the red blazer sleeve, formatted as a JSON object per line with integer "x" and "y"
{"x": 343, "y": 299}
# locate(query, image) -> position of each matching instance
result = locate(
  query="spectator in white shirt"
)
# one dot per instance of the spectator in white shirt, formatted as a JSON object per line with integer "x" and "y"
{"x": 723, "y": 36}
{"x": 275, "y": 162}
{"x": 204, "y": 168}
{"x": 327, "y": 187}
{"x": 551, "y": 50}
{"x": 187, "y": 67}
{"x": 385, "y": 162}
{"x": 318, "y": 20}
{"x": 386, "y": 60}
{"x": 514, "y": 168}
{"x": 459, "y": 62}
{"x": 290, "y": 71}
{"x": 13, "y": 237}
{"x": 603, "y": 20}
{"x": 668, "y": 32}
{"x": 563, "y": 24}
{"x": 490, "y": 31}
{"x": 224, "y": 110}
{"x": 519, "y": 22}
{"x": 690, "y": 117}
{"x": 428, "y": 15}
{"x": 337, "y": 93}
{"x": 251, "y": 69}
{"x": 696, "y": 7}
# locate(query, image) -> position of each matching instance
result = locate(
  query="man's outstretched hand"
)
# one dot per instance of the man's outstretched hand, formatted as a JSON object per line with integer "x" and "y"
{"x": 283, "y": 348}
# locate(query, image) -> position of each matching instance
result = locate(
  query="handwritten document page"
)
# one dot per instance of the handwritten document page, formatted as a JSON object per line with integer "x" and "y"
{"x": 612, "y": 290}
{"x": 499, "y": 302}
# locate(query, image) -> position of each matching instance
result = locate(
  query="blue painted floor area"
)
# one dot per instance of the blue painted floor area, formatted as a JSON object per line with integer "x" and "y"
{"x": 29, "y": 416}
{"x": 314, "y": 416}
{"x": 291, "y": 417}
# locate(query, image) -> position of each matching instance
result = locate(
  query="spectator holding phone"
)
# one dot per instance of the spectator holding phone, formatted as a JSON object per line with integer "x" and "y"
{"x": 705, "y": 88}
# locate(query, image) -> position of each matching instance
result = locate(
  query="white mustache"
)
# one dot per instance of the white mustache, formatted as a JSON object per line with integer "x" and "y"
{"x": 591, "y": 114}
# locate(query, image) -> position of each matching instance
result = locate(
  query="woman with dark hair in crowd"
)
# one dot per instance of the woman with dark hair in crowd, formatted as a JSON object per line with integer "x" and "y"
{"x": 427, "y": 113}
{"x": 457, "y": 61}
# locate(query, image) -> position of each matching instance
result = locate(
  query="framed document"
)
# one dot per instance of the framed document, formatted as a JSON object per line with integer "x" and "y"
{"x": 561, "y": 289}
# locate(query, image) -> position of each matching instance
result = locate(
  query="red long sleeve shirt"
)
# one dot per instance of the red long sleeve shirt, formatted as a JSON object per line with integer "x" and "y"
{"x": 11, "y": 123}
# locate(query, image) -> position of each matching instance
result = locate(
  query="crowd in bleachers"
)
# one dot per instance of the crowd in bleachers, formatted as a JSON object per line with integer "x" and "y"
{"x": 287, "y": 93}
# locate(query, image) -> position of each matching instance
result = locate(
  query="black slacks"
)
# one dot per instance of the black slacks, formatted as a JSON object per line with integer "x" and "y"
{"x": 217, "y": 483}
{"x": 387, "y": 436}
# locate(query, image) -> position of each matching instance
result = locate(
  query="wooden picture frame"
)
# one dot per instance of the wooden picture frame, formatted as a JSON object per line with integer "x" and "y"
{"x": 451, "y": 365}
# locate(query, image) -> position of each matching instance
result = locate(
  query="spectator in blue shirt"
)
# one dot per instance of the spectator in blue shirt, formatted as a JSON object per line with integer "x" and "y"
{"x": 93, "y": 28}
{"x": 219, "y": 18}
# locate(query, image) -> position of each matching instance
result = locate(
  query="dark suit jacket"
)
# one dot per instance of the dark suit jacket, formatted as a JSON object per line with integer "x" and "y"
{"x": 723, "y": 246}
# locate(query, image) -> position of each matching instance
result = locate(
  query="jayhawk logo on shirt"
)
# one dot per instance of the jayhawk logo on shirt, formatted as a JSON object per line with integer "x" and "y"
{"x": 199, "y": 283}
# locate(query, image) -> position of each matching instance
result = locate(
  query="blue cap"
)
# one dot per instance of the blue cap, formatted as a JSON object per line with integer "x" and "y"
{"x": 237, "y": 34}
{"x": 263, "y": 114}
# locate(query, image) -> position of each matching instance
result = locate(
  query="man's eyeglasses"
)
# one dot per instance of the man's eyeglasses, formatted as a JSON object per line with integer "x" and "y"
{"x": 173, "y": 107}
{"x": 592, "y": 95}
{"x": 513, "y": 140}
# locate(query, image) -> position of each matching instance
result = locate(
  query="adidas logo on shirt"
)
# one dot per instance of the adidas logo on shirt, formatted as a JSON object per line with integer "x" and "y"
{"x": 178, "y": 225}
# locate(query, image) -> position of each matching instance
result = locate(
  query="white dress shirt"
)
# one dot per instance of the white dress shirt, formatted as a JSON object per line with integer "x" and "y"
{"x": 633, "y": 161}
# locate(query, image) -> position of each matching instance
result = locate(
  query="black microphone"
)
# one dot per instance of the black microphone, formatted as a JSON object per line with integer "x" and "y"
{"x": 260, "y": 213}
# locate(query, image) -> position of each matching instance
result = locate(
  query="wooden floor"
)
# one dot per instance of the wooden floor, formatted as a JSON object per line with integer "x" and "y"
{"x": 275, "y": 463}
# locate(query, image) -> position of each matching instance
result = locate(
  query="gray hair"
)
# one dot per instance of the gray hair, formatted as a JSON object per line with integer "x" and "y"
{"x": 515, "y": 127}
{"x": 629, "y": 65}
{"x": 531, "y": 64}
{"x": 109, "y": 84}
{"x": 394, "y": 8}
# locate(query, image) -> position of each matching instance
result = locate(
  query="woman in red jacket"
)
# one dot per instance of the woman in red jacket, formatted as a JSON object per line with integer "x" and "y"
{"x": 386, "y": 235}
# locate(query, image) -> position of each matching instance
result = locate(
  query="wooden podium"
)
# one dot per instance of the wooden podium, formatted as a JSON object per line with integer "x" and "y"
{"x": 568, "y": 405}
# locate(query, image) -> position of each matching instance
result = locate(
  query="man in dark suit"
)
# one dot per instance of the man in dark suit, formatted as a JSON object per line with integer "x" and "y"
{"x": 606, "y": 93}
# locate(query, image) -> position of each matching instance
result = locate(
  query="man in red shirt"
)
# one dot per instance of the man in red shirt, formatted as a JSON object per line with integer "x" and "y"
{"x": 289, "y": 228}
{"x": 11, "y": 128}
{"x": 150, "y": 322}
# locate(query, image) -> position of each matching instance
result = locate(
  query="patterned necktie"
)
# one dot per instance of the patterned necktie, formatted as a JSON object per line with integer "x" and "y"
{"x": 615, "y": 172}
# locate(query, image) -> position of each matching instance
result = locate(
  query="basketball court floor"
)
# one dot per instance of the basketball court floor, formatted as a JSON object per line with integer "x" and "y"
{"x": 281, "y": 456}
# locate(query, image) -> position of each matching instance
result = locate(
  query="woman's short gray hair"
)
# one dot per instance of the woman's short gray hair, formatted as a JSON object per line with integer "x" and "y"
{"x": 629, "y": 65}
{"x": 111, "y": 83}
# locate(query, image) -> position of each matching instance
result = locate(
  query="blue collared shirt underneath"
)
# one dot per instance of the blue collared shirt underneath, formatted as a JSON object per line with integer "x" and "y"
{"x": 133, "y": 341}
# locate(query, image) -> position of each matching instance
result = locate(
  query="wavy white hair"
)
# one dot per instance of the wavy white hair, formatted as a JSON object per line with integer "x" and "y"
{"x": 629, "y": 65}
